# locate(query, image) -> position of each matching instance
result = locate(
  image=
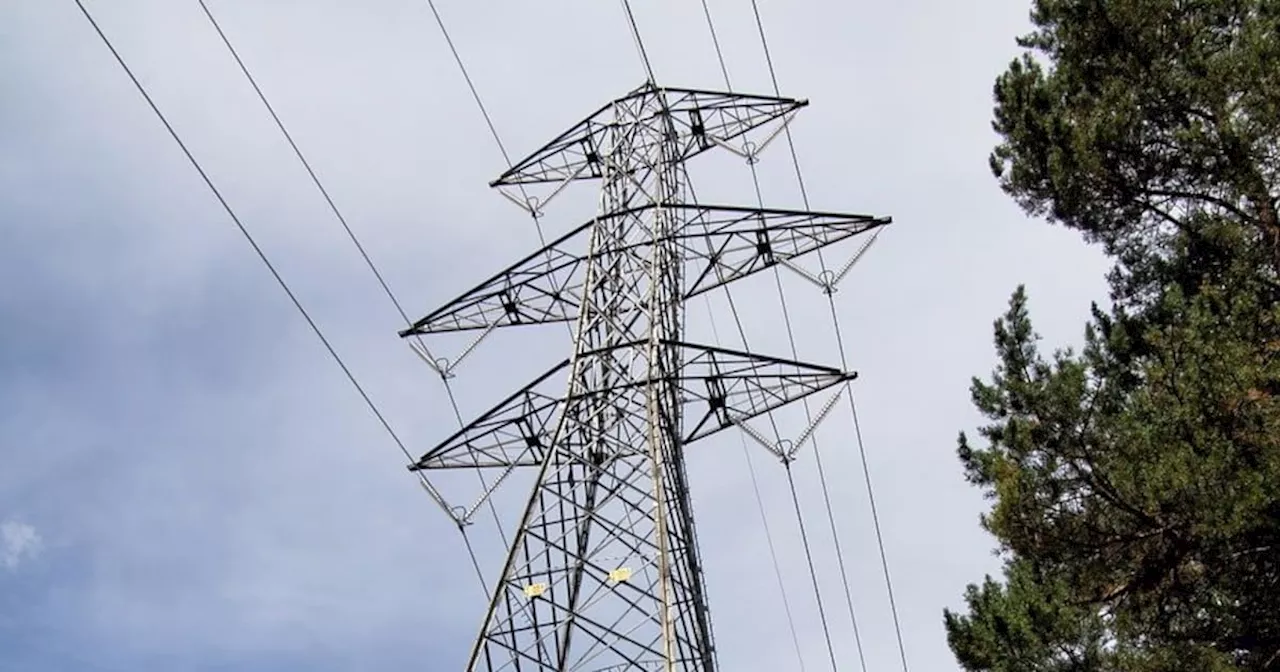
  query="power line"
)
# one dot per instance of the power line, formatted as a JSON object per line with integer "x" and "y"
{"x": 542, "y": 239}
{"x": 764, "y": 518}
{"x": 618, "y": 424}
{"x": 475, "y": 95}
{"x": 453, "y": 402}
{"x": 715, "y": 41}
{"x": 795, "y": 354}
{"x": 755, "y": 484}
{"x": 537, "y": 223}
{"x": 875, "y": 516}
{"x": 355, "y": 240}
{"x": 493, "y": 132}
{"x": 315, "y": 328}
{"x": 844, "y": 575}
{"x": 866, "y": 472}
{"x": 484, "y": 112}
{"x": 786, "y": 318}
{"x": 502, "y": 625}
{"x": 635, "y": 34}
{"x": 817, "y": 455}
{"x": 773, "y": 77}
{"x": 368, "y": 260}
{"x": 244, "y": 69}
{"x": 506, "y": 157}
{"x": 813, "y": 573}
{"x": 826, "y": 630}
{"x": 645, "y": 59}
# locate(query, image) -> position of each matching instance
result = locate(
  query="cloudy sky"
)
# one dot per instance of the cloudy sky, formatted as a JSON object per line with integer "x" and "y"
{"x": 188, "y": 483}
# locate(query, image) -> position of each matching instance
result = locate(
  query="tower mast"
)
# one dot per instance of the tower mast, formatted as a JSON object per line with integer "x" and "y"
{"x": 603, "y": 572}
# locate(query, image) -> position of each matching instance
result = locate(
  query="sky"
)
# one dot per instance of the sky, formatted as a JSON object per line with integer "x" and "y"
{"x": 189, "y": 483}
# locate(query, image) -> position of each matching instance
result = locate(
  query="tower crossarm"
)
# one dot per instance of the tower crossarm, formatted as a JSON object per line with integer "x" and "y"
{"x": 719, "y": 244}
{"x": 721, "y": 387}
{"x": 699, "y": 118}
{"x": 543, "y": 288}
{"x": 515, "y": 433}
{"x": 718, "y": 387}
{"x": 723, "y": 244}
{"x": 603, "y": 571}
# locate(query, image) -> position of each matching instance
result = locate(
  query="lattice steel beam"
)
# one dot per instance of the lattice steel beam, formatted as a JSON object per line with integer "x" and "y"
{"x": 604, "y": 571}
{"x": 696, "y": 120}
{"x": 718, "y": 387}
{"x": 719, "y": 244}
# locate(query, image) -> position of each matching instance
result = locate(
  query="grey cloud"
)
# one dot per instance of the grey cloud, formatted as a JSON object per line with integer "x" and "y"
{"x": 19, "y": 542}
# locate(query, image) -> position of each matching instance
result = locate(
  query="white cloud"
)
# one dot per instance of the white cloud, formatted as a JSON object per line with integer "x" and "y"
{"x": 18, "y": 541}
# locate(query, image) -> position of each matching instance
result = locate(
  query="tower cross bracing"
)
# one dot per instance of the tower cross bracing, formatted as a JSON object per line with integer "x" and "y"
{"x": 603, "y": 572}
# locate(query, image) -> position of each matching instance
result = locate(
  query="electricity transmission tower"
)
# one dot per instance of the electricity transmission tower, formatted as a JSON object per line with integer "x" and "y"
{"x": 604, "y": 572}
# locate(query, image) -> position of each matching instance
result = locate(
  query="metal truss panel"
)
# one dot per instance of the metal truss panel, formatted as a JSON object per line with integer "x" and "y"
{"x": 543, "y": 288}
{"x": 603, "y": 571}
{"x": 718, "y": 387}
{"x": 697, "y": 119}
{"x": 514, "y": 433}
{"x": 722, "y": 387}
{"x": 724, "y": 244}
{"x": 584, "y": 588}
{"x": 719, "y": 244}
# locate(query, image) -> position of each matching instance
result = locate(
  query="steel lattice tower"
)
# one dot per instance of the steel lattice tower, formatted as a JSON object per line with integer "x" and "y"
{"x": 604, "y": 572}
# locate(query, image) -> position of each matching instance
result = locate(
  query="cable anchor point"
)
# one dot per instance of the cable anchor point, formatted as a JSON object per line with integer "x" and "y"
{"x": 785, "y": 449}
{"x": 828, "y": 279}
{"x": 529, "y": 204}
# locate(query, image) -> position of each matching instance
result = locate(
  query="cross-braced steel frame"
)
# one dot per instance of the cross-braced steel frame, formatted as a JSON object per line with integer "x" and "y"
{"x": 604, "y": 572}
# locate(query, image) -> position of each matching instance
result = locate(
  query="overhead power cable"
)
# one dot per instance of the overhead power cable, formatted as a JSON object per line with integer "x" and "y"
{"x": 493, "y": 131}
{"x": 808, "y": 416}
{"x": 355, "y": 240}
{"x": 262, "y": 256}
{"x": 764, "y": 517}
{"x": 715, "y": 41}
{"x": 542, "y": 240}
{"x": 755, "y": 484}
{"x": 778, "y": 438}
{"x": 635, "y": 34}
{"x": 475, "y": 95}
{"x": 817, "y": 591}
{"x": 333, "y": 207}
{"x": 862, "y": 453}
{"x": 484, "y": 112}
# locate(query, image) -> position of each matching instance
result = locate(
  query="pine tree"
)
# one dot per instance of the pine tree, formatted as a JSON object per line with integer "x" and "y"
{"x": 1136, "y": 484}
{"x": 1130, "y": 119}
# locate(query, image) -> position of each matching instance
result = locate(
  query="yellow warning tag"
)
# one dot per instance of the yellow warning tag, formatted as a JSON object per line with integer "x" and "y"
{"x": 620, "y": 574}
{"x": 535, "y": 589}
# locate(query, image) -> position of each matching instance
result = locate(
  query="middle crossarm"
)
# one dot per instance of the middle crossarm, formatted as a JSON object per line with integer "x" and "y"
{"x": 721, "y": 244}
{"x": 719, "y": 387}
